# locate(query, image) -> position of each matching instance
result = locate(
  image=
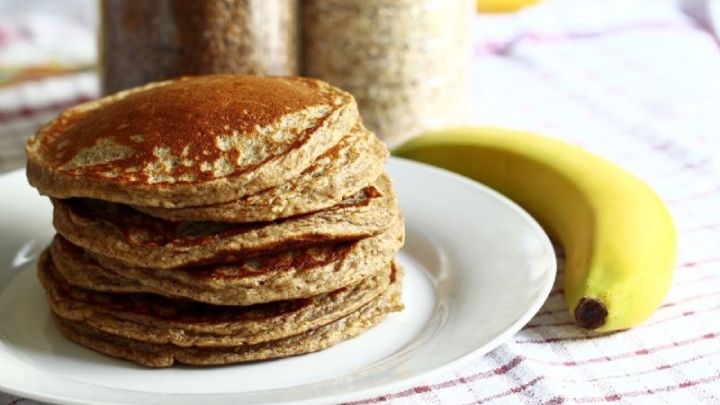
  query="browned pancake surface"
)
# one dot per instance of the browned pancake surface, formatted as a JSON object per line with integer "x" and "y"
{"x": 190, "y": 141}
{"x": 348, "y": 167}
{"x": 124, "y": 234}
{"x": 156, "y": 319}
{"x": 165, "y": 355}
{"x": 291, "y": 274}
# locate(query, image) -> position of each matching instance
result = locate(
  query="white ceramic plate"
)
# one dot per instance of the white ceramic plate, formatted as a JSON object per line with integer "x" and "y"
{"x": 478, "y": 268}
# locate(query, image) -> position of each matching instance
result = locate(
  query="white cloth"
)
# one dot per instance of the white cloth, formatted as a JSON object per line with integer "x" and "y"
{"x": 637, "y": 82}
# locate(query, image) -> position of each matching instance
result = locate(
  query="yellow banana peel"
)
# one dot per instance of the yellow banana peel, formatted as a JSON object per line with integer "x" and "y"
{"x": 619, "y": 238}
{"x": 502, "y": 6}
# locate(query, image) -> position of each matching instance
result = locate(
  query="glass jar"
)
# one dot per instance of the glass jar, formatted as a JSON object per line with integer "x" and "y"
{"x": 145, "y": 41}
{"x": 406, "y": 62}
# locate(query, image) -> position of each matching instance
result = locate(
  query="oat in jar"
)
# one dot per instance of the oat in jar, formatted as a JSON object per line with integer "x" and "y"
{"x": 406, "y": 61}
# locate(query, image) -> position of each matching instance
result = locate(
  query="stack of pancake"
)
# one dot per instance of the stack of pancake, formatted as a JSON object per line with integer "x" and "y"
{"x": 218, "y": 219}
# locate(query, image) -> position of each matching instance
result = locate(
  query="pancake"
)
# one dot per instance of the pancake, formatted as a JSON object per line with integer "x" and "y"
{"x": 348, "y": 167}
{"x": 298, "y": 273}
{"x": 191, "y": 141}
{"x": 165, "y": 355}
{"x": 155, "y": 319}
{"x": 119, "y": 232}
{"x": 217, "y": 219}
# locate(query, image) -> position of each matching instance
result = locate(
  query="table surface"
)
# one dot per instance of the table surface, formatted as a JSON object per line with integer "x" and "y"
{"x": 635, "y": 82}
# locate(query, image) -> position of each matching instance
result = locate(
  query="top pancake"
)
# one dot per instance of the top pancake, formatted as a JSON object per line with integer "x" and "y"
{"x": 190, "y": 141}
{"x": 345, "y": 169}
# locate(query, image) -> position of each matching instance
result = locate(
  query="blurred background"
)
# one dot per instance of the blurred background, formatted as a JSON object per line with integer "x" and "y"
{"x": 607, "y": 52}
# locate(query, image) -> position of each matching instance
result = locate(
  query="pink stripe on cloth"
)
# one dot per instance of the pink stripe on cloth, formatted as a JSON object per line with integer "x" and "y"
{"x": 503, "y": 46}
{"x": 24, "y": 113}
{"x": 648, "y": 392}
{"x": 27, "y": 106}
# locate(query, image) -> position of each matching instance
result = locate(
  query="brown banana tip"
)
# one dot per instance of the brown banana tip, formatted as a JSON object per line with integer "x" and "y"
{"x": 590, "y": 313}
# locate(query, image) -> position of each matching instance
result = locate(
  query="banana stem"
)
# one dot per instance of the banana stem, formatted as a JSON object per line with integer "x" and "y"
{"x": 590, "y": 313}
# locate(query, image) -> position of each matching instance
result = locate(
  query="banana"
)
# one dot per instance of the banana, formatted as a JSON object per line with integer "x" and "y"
{"x": 501, "y": 6}
{"x": 619, "y": 239}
